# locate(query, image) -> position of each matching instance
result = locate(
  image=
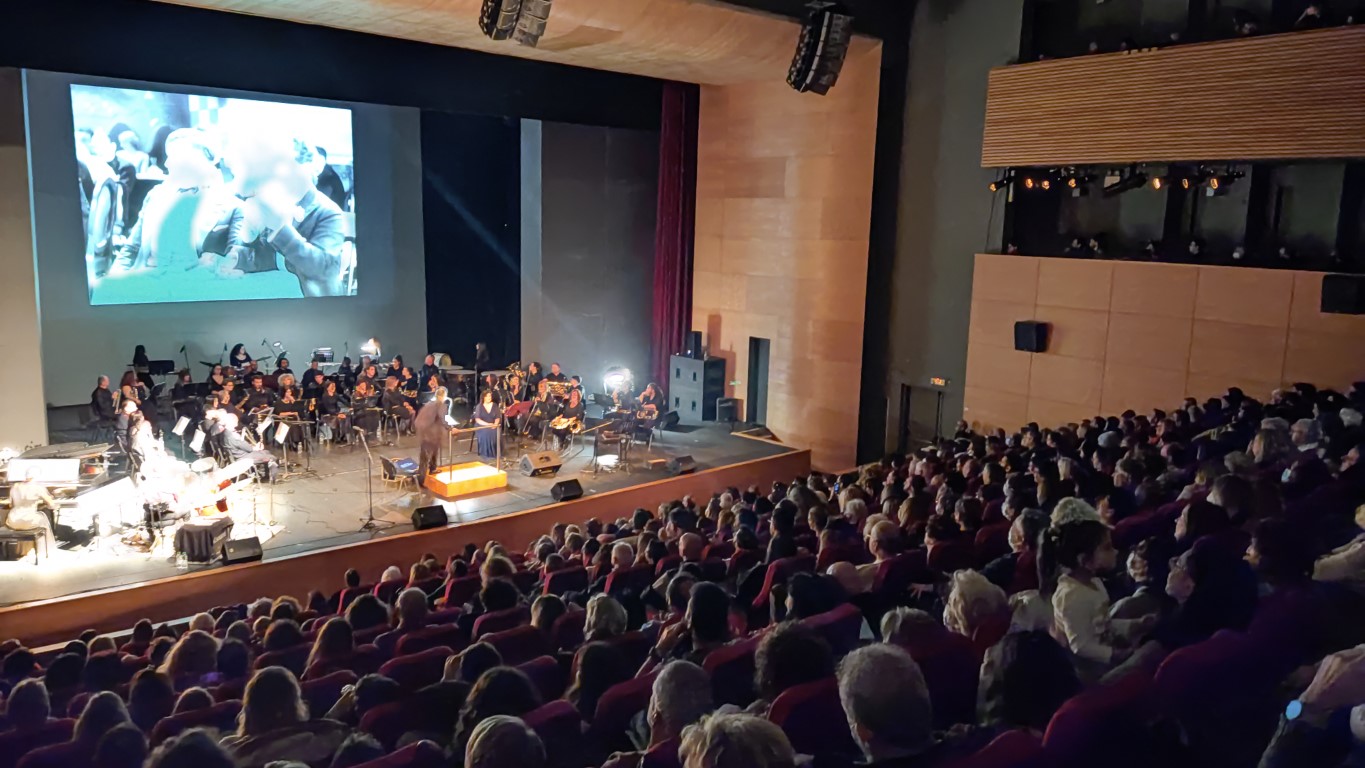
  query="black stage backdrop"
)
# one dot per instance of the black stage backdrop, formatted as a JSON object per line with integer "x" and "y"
{"x": 471, "y": 198}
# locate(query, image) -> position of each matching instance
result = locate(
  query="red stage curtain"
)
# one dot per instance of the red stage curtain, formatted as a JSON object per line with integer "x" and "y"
{"x": 673, "y": 234}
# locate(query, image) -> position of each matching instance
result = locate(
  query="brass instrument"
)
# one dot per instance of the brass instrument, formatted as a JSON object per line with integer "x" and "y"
{"x": 573, "y": 425}
{"x": 558, "y": 388}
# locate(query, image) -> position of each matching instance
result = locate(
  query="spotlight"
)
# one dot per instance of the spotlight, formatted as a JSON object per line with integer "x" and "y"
{"x": 1078, "y": 184}
{"x": 1158, "y": 182}
{"x": 371, "y": 348}
{"x": 1002, "y": 182}
{"x": 1125, "y": 183}
{"x": 1029, "y": 183}
{"x": 617, "y": 378}
{"x": 1218, "y": 183}
{"x": 820, "y": 50}
{"x": 1046, "y": 184}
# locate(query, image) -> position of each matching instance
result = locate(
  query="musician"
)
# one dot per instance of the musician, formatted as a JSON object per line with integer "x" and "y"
{"x": 488, "y": 414}
{"x": 133, "y": 390}
{"x": 431, "y": 428}
{"x": 313, "y": 381}
{"x": 238, "y": 357}
{"x": 282, "y": 365}
{"x": 428, "y": 370}
{"x": 429, "y": 388}
{"x": 650, "y": 399}
{"x": 123, "y": 423}
{"x": 369, "y": 374}
{"x": 291, "y": 408}
{"x": 409, "y": 385}
{"x": 513, "y": 391}
{"x": 543, "y": 409}
{"x": 396, "y": 405}
{"x": 332, "y": 414}
{"x": 228, "y": 397}
{"x": 286, "y": 382}
{"x": 249, "y": 370}
{"x": 224, "y": 425}
{"x": 24, "y": 515}
{"x": 534, "y": 375}
{"x": 571, "y": 419}
{"x": 491, "y": 384}
{"x": 257, "y": 398}
{"x": 183, "y": 399}
{"x": 481, "y": 356}
{"x": 216, "y": 378}
{"x": 365, "y": 406}
{"x": 142, "y": 366}
{"x": 576, "y": 383}
{"x": 346, "y": 373}
{"x": 102, "y": 402}
{"x": 153, "y": 459}
{"x": 556, "y": 374}
{"x": 395, "y": 365}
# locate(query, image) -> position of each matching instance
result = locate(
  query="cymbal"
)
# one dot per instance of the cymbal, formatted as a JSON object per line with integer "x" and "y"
{"x": 205, "y": 362}
{"x": 266, "y": 357}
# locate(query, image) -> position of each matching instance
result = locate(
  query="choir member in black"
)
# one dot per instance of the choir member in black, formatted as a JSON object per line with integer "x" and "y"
{"x": 290, "y": 409}
{"x": 432, "y": 383}
{"x": 396, "y": 365}
{"x": 410, "y": 386}
{"x": 432, "y": 430}
{"x": 650, "y": 399}
{"x": 286, "y": 381}
{"x": 576, "y": 384}
{"x": 332, "y": 414}
{"x": 217, "y": 377}
{"x": 488, "y": 414}
{"x": 238, "y": 358}
{"x": 365, "y": 410}
{"x": 556, "y": 374}
{"x": 142, "y": 366}
{"x": 513, "y": 391}
{"x": 534, "y": 375}
{"x": 574, "y": 412}
{"x": 184, "y": 400}
{"x": 346, "y": 373}
{"x": 490, "y": 383}
{"x": 428, "y": 370}
{"x": 313, "y": 381}
{"x": 102, "y": 402}
{"x": 228, "y": 397}
{"x": 543, "y": 409}
{"x": 257, "y": 399}
{"x": 481, "y": 357}
{"x": 282, "y": 366}
{"x": 370, "y": 375}
{"x": 396, "y": 405}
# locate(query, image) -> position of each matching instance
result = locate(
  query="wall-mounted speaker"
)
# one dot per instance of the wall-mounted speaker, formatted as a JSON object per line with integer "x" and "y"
{"x": 242, "y": 551}
{"x": 429, "y": 517}
{"x": 1343, "y": 294}
{"x": 821, "y": 49}
{"x": 692, "y": 347}
{"x": 1030, "y": 336}
{"x": 566, "y": 490}
{"x": 540, "y": 463}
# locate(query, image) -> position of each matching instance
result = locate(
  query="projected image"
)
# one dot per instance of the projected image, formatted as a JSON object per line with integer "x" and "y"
{"x": 187, "y": 197}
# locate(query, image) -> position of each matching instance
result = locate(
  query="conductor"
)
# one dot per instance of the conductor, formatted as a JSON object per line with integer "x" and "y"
{"x": 431, "y": 429}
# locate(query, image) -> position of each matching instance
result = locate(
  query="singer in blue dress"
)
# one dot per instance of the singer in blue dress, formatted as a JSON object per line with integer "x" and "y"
{"x": 488, "y": 414}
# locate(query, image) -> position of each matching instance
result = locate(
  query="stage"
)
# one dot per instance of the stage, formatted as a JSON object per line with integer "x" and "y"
{"x": 326, "y": 510}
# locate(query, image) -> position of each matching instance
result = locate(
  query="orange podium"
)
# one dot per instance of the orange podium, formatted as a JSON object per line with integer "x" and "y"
{"x": 464, "y": 479}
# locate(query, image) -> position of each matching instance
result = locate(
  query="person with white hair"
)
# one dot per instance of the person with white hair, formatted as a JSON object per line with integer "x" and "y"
{"x": 606, "y": 618}
{"x": 886, "y": 703}
{"x": 1306, "y": 434}
{"x": 681, "y": 695}
{"x": 24, "y": 514}
{"x": 622, "y": 555}
{"x": 503, "y": 741}
{"x": 392, "y": 573}
{"x": 735, "y": 741}
{"x": 411, "y": 609}
{"x": 974, "y": 603}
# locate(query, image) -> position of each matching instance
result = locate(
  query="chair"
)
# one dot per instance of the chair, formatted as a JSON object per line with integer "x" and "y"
{"x": 323, "y": 692}
{"x": 460, "y": 591}
{"x": 779, "y": 571}
{"x": 392, "y": 474}
{"x": 732, "y": 671}
{"x": 724, "y": 550}
{"x": 388, "y": 722}
{"x": 629, "y": 581}
{"x": 741, "y": 561}
{"x": 632, "y": 648}
{"x": 607, "y": 732}
{"x": 547, "y": 676}
{"x": 841, "y": 627}
{"x": 667, "y": 564}
{"x": 64, "y": 755}
{"x": 348, "y": 596}
{"x": 365, "y": 659}
{"x": 498, "y": 621}
{"x": 951, "y": 673}
{"x": 560, "y": 729}
{"x": 416, "y": 670}
{"x": 992, "y": 541}
{"x": 813, "y": 719}
{"x": 840, "y": 553}
{"x": 525, "y": 581}
{"x": 221, "y": 716}
{"x": 952, "y": 556}
{"x": 573, "y": 579}
{"x": 293, "y": 659}
{"x": 16, "y": 744}
{"x": 895, "y": 575}
{"x": 423, "y": 754}
{"x": 567, "y": 631}
{"x": 32, "y": 537}
{"x": 1011, "y": 749}
{"x": 1105, "y": 725}
{"x": 517, "y": 645}
{"x": 386, "y": 591}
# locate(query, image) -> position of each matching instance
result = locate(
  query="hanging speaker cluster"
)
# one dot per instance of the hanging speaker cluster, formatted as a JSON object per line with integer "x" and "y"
{"x": 820, "y": 52}
{"x": 521, "y": 20}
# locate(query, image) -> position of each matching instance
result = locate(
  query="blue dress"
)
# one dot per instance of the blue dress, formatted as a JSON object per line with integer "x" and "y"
{"x": 488, "y": 438}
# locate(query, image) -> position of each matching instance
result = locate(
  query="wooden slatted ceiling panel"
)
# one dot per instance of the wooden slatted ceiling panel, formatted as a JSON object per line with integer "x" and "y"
{"x": 1296, "y": 95}
{"x": 684, "y": 40}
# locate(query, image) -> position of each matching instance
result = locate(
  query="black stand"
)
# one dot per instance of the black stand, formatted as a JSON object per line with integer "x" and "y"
{"x": 370, "y": 524}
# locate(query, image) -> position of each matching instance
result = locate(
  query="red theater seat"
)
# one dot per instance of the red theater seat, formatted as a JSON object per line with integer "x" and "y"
{"x": 573, "y": 579}
{"x": 630, "y": 581}
{"x": 561, "y": 730}
{"x": 618, "y": 705}
{"x": 814, "y": 721}
{"x": 732, "y": 671}
{"x": 293, "y": 659}
{"x": 14, "y": 744}
{"x": 459, "y": 591}
{"x": 841, "y": 627}
{"x": 222, "y": 717}
{"x": 322, "y": 694}
{"x": 419, "y": 669}
{"x": 547, "y": 676}
{"x": 364, "y": 660}
{"x": 567, "y": 633}
{"x": 518, "y": 644}
{"x": 448, "y": 635}
{"x": 423, "y": 754}
{"x": 386, "y": 591}
{"x": 779, "y": 571}
{"x": 497, "y": 621}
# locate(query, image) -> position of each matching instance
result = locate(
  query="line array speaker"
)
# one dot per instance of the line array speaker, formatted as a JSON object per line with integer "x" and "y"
{"x": 821, "y": 49}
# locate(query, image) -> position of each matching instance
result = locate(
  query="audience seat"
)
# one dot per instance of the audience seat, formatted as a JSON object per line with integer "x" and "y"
{"x": 951, "y": 671}
{"x": 388, "y": 722}
{"x": 779, "y": 571}
{"x": 629, "y": 581}
{"x": 664, "y": 755}
{"x": 567, "y": 632}
{"x": 896, "y": 574}
{"x": 1105, "y": 725}
{"x": 952, "y": 556}
{"x": 573, "y": 579}
{"x": 221, "y": 716}
{"x": 992, "y": 541}
{"x": 517, "y": 645}
{"x": 1011, "y": 749}
{"x": 229, "y": 690}
{"x": 423, "y": 754}
{"x": 841, "y": 553}
{"x": 814, "y": 721}
{"x": 368, "y": 635}
{"x": 15, "y": 744}
{"x": 386, "y": 591}
{"x": 713, "y": 569}
{"x": 364, "y": 660}
{"x": 547, "y": 675}
{"x": 459, "y": 591}
{"x": 722, "y": 549}
{"x": 526, "y": 581}
{"x": 667, "y": 564}
{"x": 322, "y": 694}
{"x": 498, "y": 621}
{"x": 449, "y": 635}
{"x": 416, "y": 670}
{"x": 561, "y": 730}
{"x": 444, "y": 616}
{"x": 76, "y": 706}
{"x": 632, "y": 647}
{"x": 611, "y": 719}
{"x": 742, "y": 560}
{"x": 842, "y": 628}
{"x": 67, "y": 754}
{"x": 732, "y": 671}
{"x": 293, "y": 659}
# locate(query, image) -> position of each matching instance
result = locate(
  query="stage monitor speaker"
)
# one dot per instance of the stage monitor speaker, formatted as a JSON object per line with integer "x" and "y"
{"x": 433, "y": 516}
{"x": 669, "y": 420}
{"x": 692, "y": 348}
{"x": 566, "y": 490}
{"x": 1030, "y": 336}
{"x": 242, "y": 551}
{"x": 1343, "y": 294}
{"x": 541, "y": 463}
{"x": 682, "y": 465}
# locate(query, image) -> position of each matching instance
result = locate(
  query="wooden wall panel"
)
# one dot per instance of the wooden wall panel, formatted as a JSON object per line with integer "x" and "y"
{"x": 1295, "y": 95}
{"x": 1168, "y": 331}
{"x": 785, "y": 217}
{"x": 998, "y": 277}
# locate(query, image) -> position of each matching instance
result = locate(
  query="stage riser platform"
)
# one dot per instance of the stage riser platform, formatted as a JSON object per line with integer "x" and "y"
{"x": 169, "y": 599}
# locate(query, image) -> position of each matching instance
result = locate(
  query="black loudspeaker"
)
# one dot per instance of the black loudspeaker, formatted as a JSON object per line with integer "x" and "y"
{"x": 1343, "y": 294}
{"x": 429, "y": 517}
{"x": 1030, "y": 336}
{"x": 566, "y": 490}
{"x": 669, "y": 420}
{"x": 242, "y": 551}
{"x": 692, "y": 348}
{"x": 540, "y": 463}
{"x": 693, "y": 388}
{"x": 821, "y": 49}
{"x": 682, "y": 465}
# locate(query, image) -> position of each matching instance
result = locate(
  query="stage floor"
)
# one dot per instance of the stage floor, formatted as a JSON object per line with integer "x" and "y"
{"x": 327, "y": 510}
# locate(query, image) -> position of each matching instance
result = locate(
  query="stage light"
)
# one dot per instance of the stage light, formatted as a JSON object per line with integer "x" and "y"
{"x": 1029, "y": 183}
{"x": 1046, "y": 184}
{"x": 617, "y": 378}
{"x": 821, "y": 48}
{"x": 1158, "y": 182}
{"x": 1218, "y": 183}
{"x": 1125, "y": 183}
{"x": 372, "y": 348}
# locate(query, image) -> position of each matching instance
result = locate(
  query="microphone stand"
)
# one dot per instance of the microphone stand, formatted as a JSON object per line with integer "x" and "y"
{"x": 370, "y": 524}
